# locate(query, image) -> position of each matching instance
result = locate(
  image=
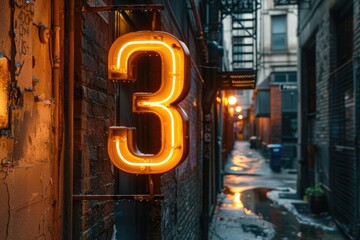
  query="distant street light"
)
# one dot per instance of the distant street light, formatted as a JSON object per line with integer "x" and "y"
{"x": 232, "y": 100}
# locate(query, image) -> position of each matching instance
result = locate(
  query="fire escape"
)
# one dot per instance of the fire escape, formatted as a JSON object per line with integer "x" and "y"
{"x": 243, "y": 31}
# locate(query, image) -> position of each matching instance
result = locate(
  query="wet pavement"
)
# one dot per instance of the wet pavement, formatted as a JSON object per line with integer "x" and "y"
{"x": 257, "y": 203}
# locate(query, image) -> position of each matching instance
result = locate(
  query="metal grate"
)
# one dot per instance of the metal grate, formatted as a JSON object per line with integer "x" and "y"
{"x": 357, "y": 150}
{"x": 344, "y": 174}
{"x": 343, "y": 160}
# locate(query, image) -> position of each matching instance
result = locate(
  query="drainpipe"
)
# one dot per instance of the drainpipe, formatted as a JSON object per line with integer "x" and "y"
{"x": 58, "y": 138}
{"x": 206, "y": 163}
{"x": 199, "y": 27}
{"x": 68, "y": 184}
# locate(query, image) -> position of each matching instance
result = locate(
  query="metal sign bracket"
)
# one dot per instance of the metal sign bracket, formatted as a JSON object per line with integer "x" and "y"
{"x": 134, "y": 7}
{"x": 120, "y": 197}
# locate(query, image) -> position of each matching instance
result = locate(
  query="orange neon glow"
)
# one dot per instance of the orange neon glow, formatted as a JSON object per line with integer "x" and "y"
{"x": 4, "y": 101}
{"x": 174, "y": 86}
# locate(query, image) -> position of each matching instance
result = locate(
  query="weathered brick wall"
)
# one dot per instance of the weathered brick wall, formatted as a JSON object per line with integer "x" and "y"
{"x": 180, "y": 212}
{"x": 263, "y": 133}
{"x": 182, "y": 187}
{"x": 322, "y": 29}
{"x": 325, "y": 58}
{"x": 331, "y": 164}
{"x": 181, "y": 208}
{"x": 324, "y": 41}
{"x": 93, "y": 113}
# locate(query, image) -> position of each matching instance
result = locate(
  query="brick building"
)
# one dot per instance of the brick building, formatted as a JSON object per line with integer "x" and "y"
{"x": 275, "y": 97}
{"x": 329, "y": 129}
{"x": 56, "y": 177}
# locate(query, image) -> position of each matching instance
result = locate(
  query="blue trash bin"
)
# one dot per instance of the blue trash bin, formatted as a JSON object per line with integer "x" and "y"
{"x": 275, "y": 153}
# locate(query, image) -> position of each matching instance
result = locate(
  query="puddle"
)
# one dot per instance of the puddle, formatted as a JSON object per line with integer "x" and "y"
{"x": 287, "y": 226}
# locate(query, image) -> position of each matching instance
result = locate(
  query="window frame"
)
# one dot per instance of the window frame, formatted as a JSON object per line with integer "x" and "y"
{"x": 281, "y": 34}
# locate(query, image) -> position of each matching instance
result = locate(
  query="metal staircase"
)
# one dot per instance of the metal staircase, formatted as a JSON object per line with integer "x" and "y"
{"x": 243, "y": 19}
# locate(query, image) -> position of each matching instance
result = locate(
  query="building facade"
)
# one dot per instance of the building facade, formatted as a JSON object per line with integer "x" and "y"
{"x": 329, "y": 105}
{"x": 239, "y": 42}
{"x": 56, "y": 177}
{"x": 275, "y": 98}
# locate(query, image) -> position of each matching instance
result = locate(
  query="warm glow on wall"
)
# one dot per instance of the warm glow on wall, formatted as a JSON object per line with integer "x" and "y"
{"x": 231, "y": 110}
{"x": 4, "y": 99}
{"x": 123, "y": 57}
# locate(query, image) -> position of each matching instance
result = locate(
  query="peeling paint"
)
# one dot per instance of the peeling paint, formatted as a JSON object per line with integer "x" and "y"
{"x": 4, "y": 92}
{"x": 26, "y": 151}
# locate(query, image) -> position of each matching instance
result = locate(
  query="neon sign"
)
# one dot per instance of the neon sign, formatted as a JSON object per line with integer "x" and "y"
{"x": 174, "y": 86}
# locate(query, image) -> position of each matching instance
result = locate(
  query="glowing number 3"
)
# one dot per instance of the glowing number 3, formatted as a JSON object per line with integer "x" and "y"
{"x": 174, "y": 86}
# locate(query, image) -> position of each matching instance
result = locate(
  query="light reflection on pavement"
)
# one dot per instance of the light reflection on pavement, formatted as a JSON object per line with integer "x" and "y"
{"x": 244, "y": 211}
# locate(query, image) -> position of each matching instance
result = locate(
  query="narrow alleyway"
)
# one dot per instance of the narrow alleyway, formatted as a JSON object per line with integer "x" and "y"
{"x": 257, "y": 203}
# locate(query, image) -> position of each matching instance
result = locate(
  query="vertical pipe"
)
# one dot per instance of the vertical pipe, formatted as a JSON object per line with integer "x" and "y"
{"x": 219, "y": 139}
{"x": 70, "y": 126}
{"x": 58, "y": 151}
{"x": 199, "y": 28}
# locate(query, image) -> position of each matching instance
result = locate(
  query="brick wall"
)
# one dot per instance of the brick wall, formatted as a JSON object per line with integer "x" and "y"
{"x": 181, "y": 209}
{"x": 93, "y": 114}
{"x": 30, "y": 168}
{"x": 275, "y": 114}
{"x": 324, "y": 59}
{"x": 263, "y": 126}
{"x": 182, "y": 187}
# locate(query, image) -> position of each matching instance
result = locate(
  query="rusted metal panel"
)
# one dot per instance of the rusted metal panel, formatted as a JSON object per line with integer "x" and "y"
{"x": 4, "y": 98}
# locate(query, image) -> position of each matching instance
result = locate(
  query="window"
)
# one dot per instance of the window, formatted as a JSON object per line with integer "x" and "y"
{"x": 289, "y": 127}
{"x": 289, "y": 100}
{"x": 292, "y": 77}
{"x": 283, "y": 77}
{"x": 280, "y": 77}
{"x": 278, "y": 32}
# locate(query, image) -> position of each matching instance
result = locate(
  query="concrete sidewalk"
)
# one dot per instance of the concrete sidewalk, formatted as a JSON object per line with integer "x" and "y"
{"x": 257, "y": 203}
